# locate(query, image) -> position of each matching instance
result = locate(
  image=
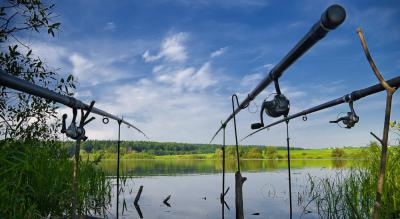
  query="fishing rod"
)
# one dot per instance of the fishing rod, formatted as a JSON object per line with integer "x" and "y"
{"x": 74, "y": 130}
{"x": 13, "y": 82}
{"x": 351, "y": 118}
{"x": 332, "y": 17}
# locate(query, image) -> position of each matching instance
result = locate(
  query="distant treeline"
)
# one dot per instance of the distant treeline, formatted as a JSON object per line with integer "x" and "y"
{"x": 161, "y": 148}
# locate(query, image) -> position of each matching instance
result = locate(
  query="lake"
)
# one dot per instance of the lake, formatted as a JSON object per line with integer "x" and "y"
{"x": 195, "y": 187}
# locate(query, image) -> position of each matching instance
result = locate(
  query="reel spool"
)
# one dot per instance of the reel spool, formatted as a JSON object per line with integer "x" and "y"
{"x": 279, "y": 106}
{"x": 350, "y": 120}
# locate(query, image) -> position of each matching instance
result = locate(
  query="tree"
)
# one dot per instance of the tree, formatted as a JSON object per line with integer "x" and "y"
{"x": 23, "y": 116}
{"x": 338, "y": 153}
{"x": 271, "y": 152}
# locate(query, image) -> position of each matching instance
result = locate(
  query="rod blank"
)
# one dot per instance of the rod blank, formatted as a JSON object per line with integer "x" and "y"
{"x": 15, "y": 83}
{"x": 332, "y": 17}
{"x": 353, "y": 96}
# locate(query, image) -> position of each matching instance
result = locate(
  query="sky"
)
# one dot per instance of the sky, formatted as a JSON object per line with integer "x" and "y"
{"x": 171, "y": 66}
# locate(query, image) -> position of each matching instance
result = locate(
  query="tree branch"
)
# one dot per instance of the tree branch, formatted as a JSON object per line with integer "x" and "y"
{"x": 372, "y": 63}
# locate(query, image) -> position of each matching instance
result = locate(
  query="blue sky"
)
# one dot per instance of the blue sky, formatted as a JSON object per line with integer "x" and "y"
{"x": 171, "y": 66}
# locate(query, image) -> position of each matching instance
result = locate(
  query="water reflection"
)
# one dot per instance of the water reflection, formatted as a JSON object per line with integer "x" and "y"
{"x": 183, "y": 167}
{"x": 194, "y": 187}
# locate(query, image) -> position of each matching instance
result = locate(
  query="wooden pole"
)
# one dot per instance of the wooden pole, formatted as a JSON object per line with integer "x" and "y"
{"x": 239, "y": 180}
{"x": 384, "y": 141}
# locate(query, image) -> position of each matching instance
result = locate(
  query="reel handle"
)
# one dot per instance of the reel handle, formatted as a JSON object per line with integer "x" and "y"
{"x": 64, "y": 126}
{"x": 257, "y": 125}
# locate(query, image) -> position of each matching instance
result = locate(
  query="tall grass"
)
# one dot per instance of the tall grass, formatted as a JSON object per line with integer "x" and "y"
{"x": 351, "y": 193}
{"x": 36, "y": 180}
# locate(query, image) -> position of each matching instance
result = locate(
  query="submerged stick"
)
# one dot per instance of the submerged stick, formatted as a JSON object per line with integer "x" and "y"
{"x": 138, "y": 195}
{"x": 166, "y": 201}
{"x": 384, "y": 142}
{"x": 137, "y": 207}
{"x": 239, "y": 180}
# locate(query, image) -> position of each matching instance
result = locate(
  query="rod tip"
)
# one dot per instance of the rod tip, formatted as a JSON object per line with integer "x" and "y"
{"x": 333, "y": 16}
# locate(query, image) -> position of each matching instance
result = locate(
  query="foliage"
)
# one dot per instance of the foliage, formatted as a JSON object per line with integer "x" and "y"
{"x": 148, "y": 148}
{"x": 351, "y": 194}
{"x": 338, "y": 153}
{"x": 35, "y": 180}
{"x": 167, "y": 150}
{"x": 25, "y": 116}
{"x": 395, "y": 128}
{"x": 271, "y": 153}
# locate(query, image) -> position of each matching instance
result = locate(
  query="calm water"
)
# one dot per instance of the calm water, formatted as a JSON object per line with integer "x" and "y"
{"x": 195, "y": 187}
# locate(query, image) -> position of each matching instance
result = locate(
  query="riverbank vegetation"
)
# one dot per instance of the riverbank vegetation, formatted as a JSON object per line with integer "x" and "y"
{"x": 172, "y": 150}
{"x": 351, "y": 193}
{"x": 36, "y": 180}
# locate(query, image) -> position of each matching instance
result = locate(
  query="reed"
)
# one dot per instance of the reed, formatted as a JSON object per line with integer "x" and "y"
{"x": 36, "y": 180}
{"x": 351, "y": 193}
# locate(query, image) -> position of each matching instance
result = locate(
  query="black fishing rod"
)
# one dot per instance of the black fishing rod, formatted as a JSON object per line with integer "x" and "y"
{"x": 332, "y": 17}
{"x": 351, "y": 117}
{"x": 74, "y": 131}
{"x": 13, "y": 82}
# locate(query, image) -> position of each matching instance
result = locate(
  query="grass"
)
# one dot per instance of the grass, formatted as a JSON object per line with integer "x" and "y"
{"x": 348, "y": 153}
{"x": 351, "y": 193}
{"x": 36, "y": 180}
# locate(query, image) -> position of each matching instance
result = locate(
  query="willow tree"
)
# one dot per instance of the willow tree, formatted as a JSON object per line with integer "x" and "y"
{"x": 24, "y": 116}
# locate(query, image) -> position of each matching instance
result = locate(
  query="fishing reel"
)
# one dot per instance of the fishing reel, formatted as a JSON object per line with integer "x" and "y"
{"x": 73, "y": 131}
{"x": 350, "y": 119}
{"x": 279, "y": 106}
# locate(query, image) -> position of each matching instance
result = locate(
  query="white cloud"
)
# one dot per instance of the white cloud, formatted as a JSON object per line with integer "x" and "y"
{"x": 218, "y": 52}
{"x": 250, "y": 80}
{"x": 188, "y": 78}
{"x": 172, "y": 49}
{"x": 109, "y": 26}
{"x": 80, "y": 65}
{"x": 268, "y": 66}
{"x": 178, "y": 100}
{"x": 150, "y": 58}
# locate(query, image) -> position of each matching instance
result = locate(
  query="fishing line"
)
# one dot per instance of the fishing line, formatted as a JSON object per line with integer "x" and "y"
{"x": 255, "y": 106}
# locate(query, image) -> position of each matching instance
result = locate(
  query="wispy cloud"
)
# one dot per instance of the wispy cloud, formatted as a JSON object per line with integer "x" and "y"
{"x": 109, "y": 26}
{"x": 171, "y": 49}
{"x": 250, "y": 80}
{"x": 218, "y": 52}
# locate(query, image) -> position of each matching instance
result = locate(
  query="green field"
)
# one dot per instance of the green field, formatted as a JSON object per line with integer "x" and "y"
{"x": 344, "y": 153}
